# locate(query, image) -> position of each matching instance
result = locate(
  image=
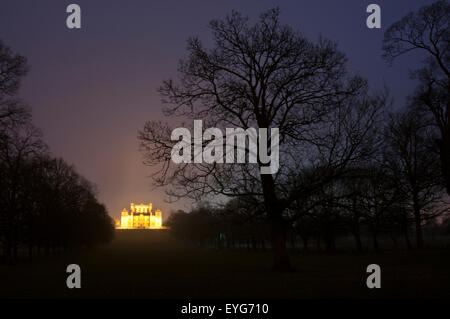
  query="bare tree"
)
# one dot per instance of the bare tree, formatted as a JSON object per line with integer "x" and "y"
{"x": 413, "y": 160}
{"x": 12, "y": 69}
{"x": 428, "y": 30}
{"x": 263, "y": 76}
{"x": 18, "y": 146}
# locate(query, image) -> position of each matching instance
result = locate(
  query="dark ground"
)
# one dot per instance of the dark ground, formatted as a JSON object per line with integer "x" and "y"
{"x": 151, "y": 264}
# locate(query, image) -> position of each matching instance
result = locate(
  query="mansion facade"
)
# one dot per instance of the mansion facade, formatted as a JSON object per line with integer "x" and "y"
{"x": 140, "y": 217}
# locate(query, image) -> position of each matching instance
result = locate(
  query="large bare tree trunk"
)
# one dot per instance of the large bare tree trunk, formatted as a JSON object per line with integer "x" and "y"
{"x": 281, "y": 261}
{"x": 305, "y": 242}
{"x": 444, "y": 151}
{"x": 357, "y": 237}
{"x": 418, "y": 222}
{"x": 376, "y": 247}
{"x": 408, "y": 242}
{"x": 445, "y": 147}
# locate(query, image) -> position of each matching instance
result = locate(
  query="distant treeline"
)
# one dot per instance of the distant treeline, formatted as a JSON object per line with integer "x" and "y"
{"x": 325, "y": 230}
{"x": 45, "y": 205}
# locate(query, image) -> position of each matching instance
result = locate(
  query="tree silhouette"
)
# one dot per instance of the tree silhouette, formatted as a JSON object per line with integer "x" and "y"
{"x": 412, "y": 158}
{"x": 12, "y": 69}
{"x": 44, "y": 202}
{"x": 428, "y": 30}
{"x": 263, "y": 76}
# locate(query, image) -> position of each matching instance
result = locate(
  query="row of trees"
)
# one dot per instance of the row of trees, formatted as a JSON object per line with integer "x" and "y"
{"x": 45, "y": 205}
{"x": 342, "y": 155}
{"x": 394, "y": 195}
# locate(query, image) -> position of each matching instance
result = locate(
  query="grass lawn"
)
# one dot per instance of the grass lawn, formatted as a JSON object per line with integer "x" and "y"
{"x": 152, "y": 264}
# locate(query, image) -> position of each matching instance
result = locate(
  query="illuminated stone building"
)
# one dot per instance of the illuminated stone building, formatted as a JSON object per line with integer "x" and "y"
{"x": 140, "y": 217}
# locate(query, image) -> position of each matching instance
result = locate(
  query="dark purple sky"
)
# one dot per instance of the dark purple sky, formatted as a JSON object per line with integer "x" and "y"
{"x": 92, "y": 89}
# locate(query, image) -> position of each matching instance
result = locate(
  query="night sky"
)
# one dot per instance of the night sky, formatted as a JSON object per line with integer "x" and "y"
{"x": 92, "y": 89}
